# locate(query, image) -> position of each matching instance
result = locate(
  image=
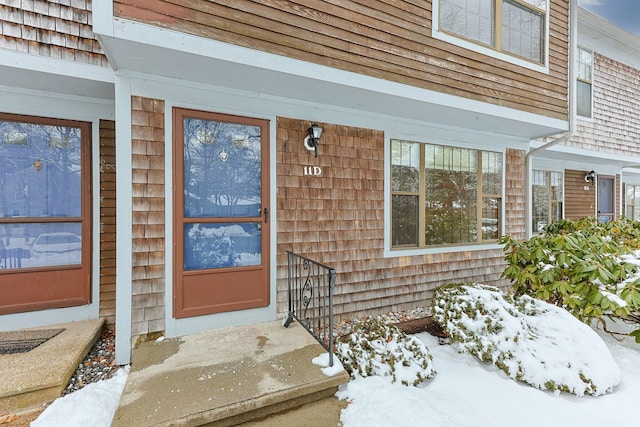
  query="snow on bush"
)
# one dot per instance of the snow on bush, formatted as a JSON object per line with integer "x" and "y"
{"x": 375, "y": 348}
{"x": 532, "y": 341}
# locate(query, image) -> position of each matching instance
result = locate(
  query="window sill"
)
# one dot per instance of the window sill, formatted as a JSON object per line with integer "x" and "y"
{"x": 394, "y": 253}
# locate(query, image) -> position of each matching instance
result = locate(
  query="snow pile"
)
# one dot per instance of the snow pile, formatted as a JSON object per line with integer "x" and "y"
{"x": 93, "y": 405}
{"x": 527, "y": 339}
{"x": 323, "y": 361}
{"x": 374, "y": 348}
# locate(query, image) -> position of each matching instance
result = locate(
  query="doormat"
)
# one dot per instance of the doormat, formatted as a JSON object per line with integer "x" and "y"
{"x": 23, "y": 341}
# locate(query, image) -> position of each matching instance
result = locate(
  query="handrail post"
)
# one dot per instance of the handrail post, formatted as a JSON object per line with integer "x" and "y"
{"x": 309, "y": 285}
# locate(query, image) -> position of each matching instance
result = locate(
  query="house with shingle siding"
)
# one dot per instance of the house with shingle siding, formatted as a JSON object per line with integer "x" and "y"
{"x": 184, "y": 128}
{"x": 606, "y": 138}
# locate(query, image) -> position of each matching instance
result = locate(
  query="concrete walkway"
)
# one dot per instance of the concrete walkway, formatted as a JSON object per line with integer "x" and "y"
{"x": 229, "y": 377}
{"x": 39, "y": 376}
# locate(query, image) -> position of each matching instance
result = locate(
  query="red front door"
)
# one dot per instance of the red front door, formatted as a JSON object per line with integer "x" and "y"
{"x": 221, "y": 224}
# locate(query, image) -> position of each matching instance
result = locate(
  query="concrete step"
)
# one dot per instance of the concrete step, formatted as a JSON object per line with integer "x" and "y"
{"x": 39, "y": 376}
{"x": 224, "y": 377}
{"x": 320, "y": 413}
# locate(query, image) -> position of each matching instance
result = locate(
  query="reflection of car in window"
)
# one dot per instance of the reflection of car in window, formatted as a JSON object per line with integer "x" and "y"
{"x": 56, "y": 243}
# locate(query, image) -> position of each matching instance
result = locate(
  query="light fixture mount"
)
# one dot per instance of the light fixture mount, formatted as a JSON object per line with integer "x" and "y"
{"x": 312, "y": 140}
{"x": 590, "y": 177}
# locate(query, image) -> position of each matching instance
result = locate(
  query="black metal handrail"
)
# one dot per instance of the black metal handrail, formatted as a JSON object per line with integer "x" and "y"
{"x": 310, "y": 286}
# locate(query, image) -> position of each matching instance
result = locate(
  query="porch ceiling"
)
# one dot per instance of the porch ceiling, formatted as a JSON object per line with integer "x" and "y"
{"x": 307, "y": 83}
{"x": 596, "y": 158}
{"x": 56, "y": 81}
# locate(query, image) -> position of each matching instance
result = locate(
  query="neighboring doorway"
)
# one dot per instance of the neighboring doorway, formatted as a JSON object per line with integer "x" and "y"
{"x": 221, "y": 215}
{"x": 45, "y": 213}
{"x": 606, "y": 198}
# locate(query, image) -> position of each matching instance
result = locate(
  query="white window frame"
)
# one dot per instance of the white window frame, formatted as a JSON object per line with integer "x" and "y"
{"x": 390, "y": 251}
{"x": 585, "y": 80}
{"x": 489, "y": 51}
{"x": 548, "y": 172}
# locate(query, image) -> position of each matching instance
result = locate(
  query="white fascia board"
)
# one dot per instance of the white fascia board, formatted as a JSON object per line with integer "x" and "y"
{"x": 604, "y": 37}
{"x": 575, "y": 155}
{"x": 102, "y": 15}
{"x": 173, "y": 40}
{"x": 54, "y": 104}
{"x": 48, "y": 65}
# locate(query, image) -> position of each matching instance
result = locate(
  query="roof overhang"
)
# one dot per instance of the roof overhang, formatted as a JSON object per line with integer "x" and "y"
{"x": 573, "y": 155}
{"x": 142, "y": 48}
{"x": 51, "y": 75}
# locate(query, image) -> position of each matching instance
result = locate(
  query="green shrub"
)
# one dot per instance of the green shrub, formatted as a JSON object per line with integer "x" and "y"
{"x": 584, "y": 266}
{"x": 526, "y": 338}
{"x": 375, "y": 348}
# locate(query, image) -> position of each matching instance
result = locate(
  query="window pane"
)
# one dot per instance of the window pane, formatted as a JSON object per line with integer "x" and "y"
{"x": 491, "y": 173}
{"x": 491, "y": 218}
{"x": 556, "y": 186}
{"x": 451, "y": 183}
{"x": 222, "y": 169}
{"x": 585, "y": 61}
{"x": 222, "y": 245}
{"x": 472, "y": 19}
{"x": 522, "y": 31}
{"x": 404, "y": 214}
{"x": 40, "y": 170}
{"x": 540, "y": 198}
{"x": 583, "y": 98}
{"x": 40, "y": 245}
{"x": 405, "y": 165}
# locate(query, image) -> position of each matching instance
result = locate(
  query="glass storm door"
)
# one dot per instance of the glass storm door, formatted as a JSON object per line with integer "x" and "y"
{"x": 45, "y": 211}
{"x": 221, "y": 219}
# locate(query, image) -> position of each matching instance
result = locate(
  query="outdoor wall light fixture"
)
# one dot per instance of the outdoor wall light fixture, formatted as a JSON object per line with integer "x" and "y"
{"x": 312, "y": 139}
{"x": 590, "y": 177}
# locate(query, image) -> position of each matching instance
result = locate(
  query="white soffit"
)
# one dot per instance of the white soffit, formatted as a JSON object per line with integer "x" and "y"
{"x": 602, "y": 36}
{"x": 135, "y": 47}
{"x": 33, "y": 72}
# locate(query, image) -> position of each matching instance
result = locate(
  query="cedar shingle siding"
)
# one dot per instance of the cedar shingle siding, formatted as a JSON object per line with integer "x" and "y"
{"x": 148, "y": 286}
{"x": 337, "y": 218}
{"x": 615, "y": 127}
{"x": 379, "y": 38}
{"x": 59, "y": 29}
{"x": 108, "y": 221}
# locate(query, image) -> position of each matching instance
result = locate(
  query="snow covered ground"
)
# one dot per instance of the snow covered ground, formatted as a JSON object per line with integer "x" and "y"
{"x": 468, "y": 393}
{"x": 464, "y": 393}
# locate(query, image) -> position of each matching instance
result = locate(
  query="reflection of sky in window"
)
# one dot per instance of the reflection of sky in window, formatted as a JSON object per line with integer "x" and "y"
{"x": 40, "y": 170}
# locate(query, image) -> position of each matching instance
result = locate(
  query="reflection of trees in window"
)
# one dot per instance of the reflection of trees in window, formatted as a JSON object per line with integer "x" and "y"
{"x": 457, "y": 187}
{"x": 40, "y": 170}
{"x": 450, "y": 206}
{"x": 512, "y": 26}
{"x": 546, "y": 192}
{"x": 222, "y": 168}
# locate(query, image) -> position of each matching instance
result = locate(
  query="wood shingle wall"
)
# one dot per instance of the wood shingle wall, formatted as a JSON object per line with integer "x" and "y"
{"x": 515, "y": 203}
{"x": 579, "y": 196}
{"x": 379, "y": 38}
{"x": 148, "y": 286}
{"x": 108, "y": 221}
{"x": 615, "y": 127}
{"x": 59, "y": 29}
{"x": 337, "y": 218}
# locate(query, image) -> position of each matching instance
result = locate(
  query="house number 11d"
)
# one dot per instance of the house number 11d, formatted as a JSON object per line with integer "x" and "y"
{"x": 312, "y": 171}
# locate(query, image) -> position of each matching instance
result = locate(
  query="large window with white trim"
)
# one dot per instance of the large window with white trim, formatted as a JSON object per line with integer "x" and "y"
{"x": 442, "y": 195}
{"x": 546, "y": 188}
{"x": 515, "y": 27}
